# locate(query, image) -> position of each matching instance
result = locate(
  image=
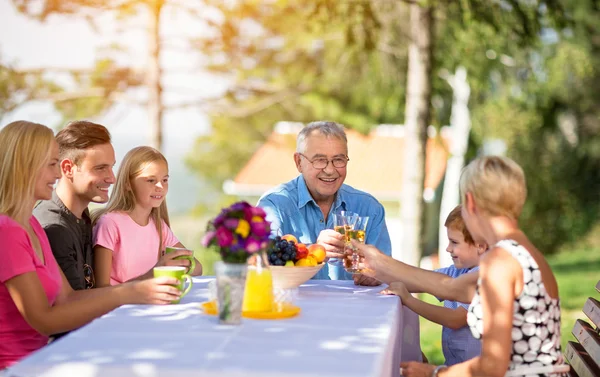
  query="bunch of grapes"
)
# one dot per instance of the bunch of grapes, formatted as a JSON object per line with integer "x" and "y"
{"x": 281, "y": 251}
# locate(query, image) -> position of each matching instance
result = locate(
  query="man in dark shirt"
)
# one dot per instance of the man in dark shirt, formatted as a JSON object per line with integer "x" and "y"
{"x": 86, "y": 161}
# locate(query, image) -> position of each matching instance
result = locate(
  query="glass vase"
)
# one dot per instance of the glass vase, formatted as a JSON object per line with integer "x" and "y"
{"x": 231, "y": 281}
{"x": 258, "y": 296}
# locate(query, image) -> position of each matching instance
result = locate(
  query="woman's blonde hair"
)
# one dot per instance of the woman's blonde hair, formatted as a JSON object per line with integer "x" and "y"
{"x": 25, "y": 147}
{"x": 123, "y": 198}
{"x": 497, "y": 185}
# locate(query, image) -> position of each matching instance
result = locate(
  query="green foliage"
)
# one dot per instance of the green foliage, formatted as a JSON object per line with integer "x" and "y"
{"x": 18, "y": 87}
{"x": 299, "y": 61}
{"x": 545, "y": 109}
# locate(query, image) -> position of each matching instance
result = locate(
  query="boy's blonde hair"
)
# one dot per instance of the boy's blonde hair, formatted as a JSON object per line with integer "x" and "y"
{"x": 497, "y": 185}
{"x": 122, "y": 198}
{"x": 455, "y": 221}
{"x": 25, "y": 149}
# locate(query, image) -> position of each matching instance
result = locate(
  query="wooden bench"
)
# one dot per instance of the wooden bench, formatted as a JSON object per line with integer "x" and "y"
{"x": 584, "y": 356}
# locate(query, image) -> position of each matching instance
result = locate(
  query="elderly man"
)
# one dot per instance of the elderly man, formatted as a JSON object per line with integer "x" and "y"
{"x": 304, "y": 206}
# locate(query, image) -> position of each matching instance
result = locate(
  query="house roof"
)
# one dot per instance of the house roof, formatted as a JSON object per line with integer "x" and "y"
{"x": 375, "y": 164}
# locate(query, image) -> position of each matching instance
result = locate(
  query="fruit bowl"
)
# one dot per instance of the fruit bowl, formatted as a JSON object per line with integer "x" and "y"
{"x": 293, "y": 277}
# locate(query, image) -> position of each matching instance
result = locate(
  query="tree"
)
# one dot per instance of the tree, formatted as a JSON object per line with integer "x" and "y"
{"x": 546, "y": 112}
{"x": 288, "y": 68}
{"x": 18, "y": 87}
{"x": 102, "y": 86}
{"x": 281, "y": 70}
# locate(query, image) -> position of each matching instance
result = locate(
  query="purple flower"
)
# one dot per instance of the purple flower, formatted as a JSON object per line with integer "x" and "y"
{"x": 224, "y": 237}
{"x": 252, "y": 245}
{"x": 257, "y": 211}
{"x": 239, "y": 206}
{"x": 231, "y": 223}
{"x": 248, "y": 214}
{"x": 220, "y": 218}
{"x": 208, "y": 238}
{"x": 260, "y": 229}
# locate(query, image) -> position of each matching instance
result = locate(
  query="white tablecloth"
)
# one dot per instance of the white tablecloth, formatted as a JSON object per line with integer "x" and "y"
{"x": 343, "y": 330}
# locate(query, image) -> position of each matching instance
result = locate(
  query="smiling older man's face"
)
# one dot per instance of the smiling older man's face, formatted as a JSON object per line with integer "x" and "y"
{"x": 324, "y": 183}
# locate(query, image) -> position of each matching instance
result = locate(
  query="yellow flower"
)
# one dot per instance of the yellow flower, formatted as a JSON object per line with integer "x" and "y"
{"x": 243, "y": 228}
{"x": 257, "y": 219}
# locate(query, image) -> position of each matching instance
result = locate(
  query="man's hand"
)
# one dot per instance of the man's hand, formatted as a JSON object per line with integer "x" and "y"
{"x": 333, "y": 242}
{"x": 397, "y": 288}
{"x": 360, "y": 279}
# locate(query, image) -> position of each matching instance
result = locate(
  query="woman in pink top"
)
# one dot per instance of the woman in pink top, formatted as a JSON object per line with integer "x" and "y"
{"x": 36, "y": 299}
{"x": 132, "y": 232}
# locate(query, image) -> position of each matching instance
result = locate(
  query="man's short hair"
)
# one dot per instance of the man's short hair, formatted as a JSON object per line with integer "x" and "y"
{"x": 455, "y": 221}
{"x": 78, "y": 136}
{"x": 327, "y": 128}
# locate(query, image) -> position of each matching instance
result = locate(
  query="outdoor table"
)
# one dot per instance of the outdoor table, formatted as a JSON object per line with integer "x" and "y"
{"x": 343, "y": 330}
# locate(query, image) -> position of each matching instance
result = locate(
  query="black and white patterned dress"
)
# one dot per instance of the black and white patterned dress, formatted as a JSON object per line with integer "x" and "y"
{"x": 536, "y": 319}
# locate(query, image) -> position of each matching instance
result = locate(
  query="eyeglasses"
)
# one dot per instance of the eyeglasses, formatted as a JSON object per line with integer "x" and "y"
{"x": 88, "y": 274}
{"x": 321, "y": 163}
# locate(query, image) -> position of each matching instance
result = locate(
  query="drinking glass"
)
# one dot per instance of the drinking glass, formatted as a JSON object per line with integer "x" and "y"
{"x": 343, "y": 223}
{"x": 359, "y": 233}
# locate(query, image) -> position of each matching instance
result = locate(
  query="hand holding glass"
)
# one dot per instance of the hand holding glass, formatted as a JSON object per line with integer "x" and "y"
{"x": 359, "y": 233}
{"x": 343, "y": 223}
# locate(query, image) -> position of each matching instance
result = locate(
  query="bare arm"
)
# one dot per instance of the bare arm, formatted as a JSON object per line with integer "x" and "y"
{"x": 102, "y": 266}
{"x": 497, "y": 290}
{"x": 385, "y": 268}
{"x": 67, "y": 313}
{"x": 451, "y": 318}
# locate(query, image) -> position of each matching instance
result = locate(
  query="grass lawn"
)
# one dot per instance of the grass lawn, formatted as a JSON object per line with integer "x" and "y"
{"x": 577, "y": 275}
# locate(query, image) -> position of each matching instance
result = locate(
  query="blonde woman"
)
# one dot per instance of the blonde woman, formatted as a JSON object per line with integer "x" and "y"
{"x": 36, "y": 299}
{"x": 515, "y": 308}
{"x": 132, "y": 232}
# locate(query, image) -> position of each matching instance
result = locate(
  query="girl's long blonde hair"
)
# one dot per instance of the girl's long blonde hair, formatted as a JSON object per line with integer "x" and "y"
{"x": 24, "y": 148}
{"x": 123, "y": 198}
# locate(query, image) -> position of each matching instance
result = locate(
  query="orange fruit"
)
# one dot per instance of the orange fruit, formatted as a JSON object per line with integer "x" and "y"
{"x": 317, "y": 251}
{"x": 304, "y": 262}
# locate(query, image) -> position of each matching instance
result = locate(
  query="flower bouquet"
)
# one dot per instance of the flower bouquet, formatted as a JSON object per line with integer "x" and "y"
{"x": 237, "y": 233}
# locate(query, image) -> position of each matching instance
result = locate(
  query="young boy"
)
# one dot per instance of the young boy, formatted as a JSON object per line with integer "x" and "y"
{"x": 457, "y": 342}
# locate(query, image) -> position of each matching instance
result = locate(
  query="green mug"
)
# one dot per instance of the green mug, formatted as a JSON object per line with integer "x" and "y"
{"x": 170, "y": 249}
{"x": 177, "y": 272}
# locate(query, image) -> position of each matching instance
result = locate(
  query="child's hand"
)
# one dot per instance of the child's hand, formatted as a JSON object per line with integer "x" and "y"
{"x": 157, "y": 291}
{"x": 397, "y": 288}
{"x": 169, "y": 259}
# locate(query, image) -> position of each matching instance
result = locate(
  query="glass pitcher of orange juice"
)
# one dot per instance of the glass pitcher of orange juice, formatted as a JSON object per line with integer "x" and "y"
{"x": 258, "y": 295}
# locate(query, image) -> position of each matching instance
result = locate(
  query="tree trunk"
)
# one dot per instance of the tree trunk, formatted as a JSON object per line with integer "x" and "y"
{"x": 155, "y": 104}
{"x": 417, "y": 115}
{"x": 460, "y": 127}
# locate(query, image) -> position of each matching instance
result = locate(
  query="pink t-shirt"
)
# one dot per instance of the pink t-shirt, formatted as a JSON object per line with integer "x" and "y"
{"x": 134, "y": 247}
{"x": 17, "y": 257}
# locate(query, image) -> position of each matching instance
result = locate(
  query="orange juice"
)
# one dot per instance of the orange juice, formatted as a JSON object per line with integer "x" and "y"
{"x": 258, "y": 295}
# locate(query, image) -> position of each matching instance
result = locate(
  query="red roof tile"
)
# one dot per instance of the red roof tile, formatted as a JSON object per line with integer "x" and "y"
{"x": 375, "y": 164}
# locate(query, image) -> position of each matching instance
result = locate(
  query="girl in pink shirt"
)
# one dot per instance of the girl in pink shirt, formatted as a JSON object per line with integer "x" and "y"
{"x": 36, "y": 299}
{"x": 132, "y": 232}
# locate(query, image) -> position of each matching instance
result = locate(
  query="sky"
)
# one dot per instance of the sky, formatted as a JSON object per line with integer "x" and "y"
{"x": 71, "y": 42}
